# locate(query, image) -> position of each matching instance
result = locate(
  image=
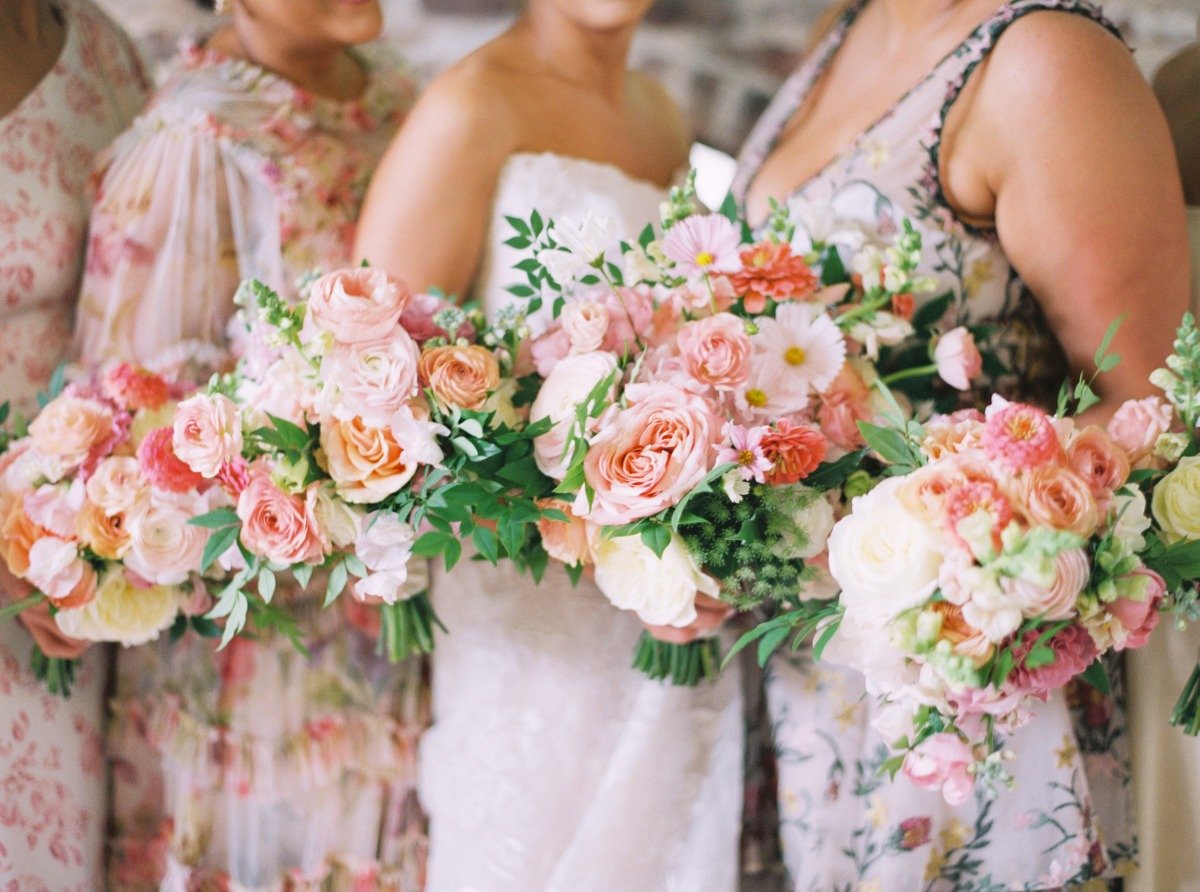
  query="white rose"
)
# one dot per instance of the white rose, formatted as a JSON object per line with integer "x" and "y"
{"x": 568, "y": 385}
{"x": 882, "y": 555}
{"x": 119, "y": 612}
{"x": 1131, "y": 521}
{"x": 338, "y": 520}
{"x": 661, "y": 591}
{"x": 164, "y": 547}
{"x": 372, "y": 381}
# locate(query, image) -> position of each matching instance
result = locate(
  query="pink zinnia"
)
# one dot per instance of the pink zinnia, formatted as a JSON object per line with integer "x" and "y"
{"x": 1018, "y": 436}
{"x": 1074, "y": 650}
{"x": 745, "y": 449}
{"x": 772, "y": 271}
{"x": 704, "y": 244}
{"x": 162, "y": 467}
{"x": 134, "y": 388}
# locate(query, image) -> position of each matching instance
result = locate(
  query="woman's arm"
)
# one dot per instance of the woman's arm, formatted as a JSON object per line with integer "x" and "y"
{"x": 427, "y": 211}
{"x": 1063, "y": 144}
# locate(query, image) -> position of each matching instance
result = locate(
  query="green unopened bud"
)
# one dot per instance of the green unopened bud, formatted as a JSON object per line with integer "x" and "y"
{"x": 1171, "y": 446}
{"x": 858, "y": 484}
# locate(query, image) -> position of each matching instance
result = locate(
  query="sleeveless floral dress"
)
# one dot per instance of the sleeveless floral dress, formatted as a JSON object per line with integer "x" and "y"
{"x": 843, "y": 826}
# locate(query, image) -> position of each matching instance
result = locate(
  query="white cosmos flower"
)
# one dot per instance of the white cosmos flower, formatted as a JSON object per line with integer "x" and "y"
{"x": 805, "y": 349}
{"x": 580, "y": 243}
{"x": 816, "y": 224}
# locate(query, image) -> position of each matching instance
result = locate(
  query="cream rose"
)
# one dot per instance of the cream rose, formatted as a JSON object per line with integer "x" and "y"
{"x": 121, "y": 613}
{"x": 1176, "y": 500}
{"x": 70, "y": 427}
{"x": 585, "y": 323}
{"x": 568, "y": 385}
{"x": 163, "y": 547}
{"x": 338, "y": 521}
{"x": 884, "y": 557}
{"x": 661, "y": 591}
{"x": 357, "y": 305}
{"x": 207, "y": 433}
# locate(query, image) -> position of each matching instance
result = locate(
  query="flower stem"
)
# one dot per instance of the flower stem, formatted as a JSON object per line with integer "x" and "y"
{"x": 686, "y": 665}
{"x": 8, "y": 611}
{"x": 905, "y": 374}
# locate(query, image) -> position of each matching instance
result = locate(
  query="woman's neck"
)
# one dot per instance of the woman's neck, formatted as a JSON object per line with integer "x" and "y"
{"x": 915, "y": 15}
{"x": 595, "y": 60}
{"x": 325, "y": 70}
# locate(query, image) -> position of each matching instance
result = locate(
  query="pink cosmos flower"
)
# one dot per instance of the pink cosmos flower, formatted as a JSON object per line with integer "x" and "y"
{"x": 1018, "y": 436}
{"x": 704, "y": 244}
{"x": 744, "y": 448}
{"x": 958, "y": 359}
{"x": 159, "y": 464}
{"x": 942, "y": 762}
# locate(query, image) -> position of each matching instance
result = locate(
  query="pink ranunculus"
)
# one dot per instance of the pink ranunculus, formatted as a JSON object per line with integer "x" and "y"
{"x": 54, "y": 508}
{"x": 371, "y": 380}
{"x": 716, "y": 351}
{"x": 942, "y": 762}
{"x": 1059, "y": 498}
{"x": 1094, "y": 456}
{"x": 357, "y": 305}
{"x": 59, "y": 573}
{"x": 207, "y": 433}
{"x": 1138, "y": 618}
{"x": 1018, "y": 436}
{"x": 164, "y": 547}
{"x": 549, "y": 348}
{"x": 70, "y": 427}
{"x": 1137, "y": 425}
{"x": 564, "y": 540}
{"x": 650, "y": 455}
{"x": 585, "y": 323}
{"x": 1074, "y": 650}
{"x": 162, "y": 467}
{"x": 1072, "y": 571}
{"x": 843, "y": 405}
{"x": 278, "y": 526}
{"x": 116, "y": 484}
{"x": 958, "y": 359}
{"x": 133, "y": 388}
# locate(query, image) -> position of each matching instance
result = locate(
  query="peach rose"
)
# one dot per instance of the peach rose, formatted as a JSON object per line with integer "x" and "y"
{"x": 102, "y": 532}
{"x": 843, "y": 405}
{"x": 649, "y": 455}
{"x": 716, "y": 351}
{"x": 925, "y": 491}
{"x": 1138, "y": 424}
{"x": 70, "y": 427}
{"x": 948, "y": 435}
{"x": 460, "y": 376}
{"x": 207, "y": 433}
{"x": 367, "y": 464}
{"x": 565, "y": 541}
{"x": 958, "y": 359}
{"x": 1059, "y": 498}
{"x": 278, "y": 526}
{"x": 1094, "y": 456}
{"x": 17, "y": 534}
{"x": 357, "y": 305}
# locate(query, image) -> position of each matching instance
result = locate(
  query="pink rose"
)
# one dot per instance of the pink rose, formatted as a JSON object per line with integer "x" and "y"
{"x": 357, "y": 305}
{"x": 942, "y": 762}
{"x": 69, "y": 428}
{"x": 116, "y": 484}
{"x": 164, "y": 548}
{"x": 650, "y": 455}
{"x": 59, "y": 573}
{"x": 1061, "y": 499}
{"x": 958, "y": 359}
{"x": 278, "y": 526}
{"x": 549, "y": 348}
{"x": 162, "y": 467}
{"x": 585, "y": 323}
{"x": 716, "y": 351}
{"x": 372, "y": 380}
{"x": 1094, "y": 456}
{"x": 1074, "y": 650}
{"x": 1138, "y": 618}
{"x": 1138, "y": 424}
{"x": 560, "y": 395}
{"x": 565, "y": 541}
{"x": 1072, "y": 571}
{"x": 207, "y": 433}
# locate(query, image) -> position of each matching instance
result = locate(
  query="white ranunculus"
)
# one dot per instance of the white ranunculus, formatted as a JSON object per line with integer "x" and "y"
{"x": 882, "y": 555}
{"x": 121, "y": 613}
{"x": 164, "y": 547}
{"x": 372, "y": 381}
{"x": 573, "y": 378}
{"x": 661, "y": 591}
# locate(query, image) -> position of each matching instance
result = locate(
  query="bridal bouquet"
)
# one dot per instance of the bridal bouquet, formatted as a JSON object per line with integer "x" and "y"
{"x": 95, "y": 507}
{"x": 1005, "y": 554}
{"x": 356, "y": 420}
{"x": 704, "y": 388}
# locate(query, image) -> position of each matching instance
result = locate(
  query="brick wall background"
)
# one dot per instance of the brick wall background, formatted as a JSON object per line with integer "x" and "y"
{"x": 721, "y": 58}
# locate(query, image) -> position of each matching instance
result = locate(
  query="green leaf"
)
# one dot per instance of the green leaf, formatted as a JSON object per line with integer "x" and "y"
{"x": 487, "y": 544}
{"x": 833, "y": 271}
{"x": 891, "y": 445}
{"x": 266, "y": 584}
{"x": 337, "y": 582}
{"x": 236, "y": 621}
{"x": 729, "y": 208}
{"x": 431, "y": 544}
{"x": 518, "y": 224}
{"x": 825, "y": 637}
{"x": 932, "y": 311}
{"x": 656, "y": 537}
{"x": 1102, "y": 354}
{"x": 831, "y": 475}
{"x": 215, "y": 520}
{"x": 302, "y": 573}
{"x": 770, "y": 642}
{"x": 218, "y": 543}
{"x": 1097, "y": 676}
{"x": 646, "y": 236}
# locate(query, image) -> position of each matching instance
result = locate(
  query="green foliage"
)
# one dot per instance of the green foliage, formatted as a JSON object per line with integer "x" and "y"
{"x": 684, "y": 664}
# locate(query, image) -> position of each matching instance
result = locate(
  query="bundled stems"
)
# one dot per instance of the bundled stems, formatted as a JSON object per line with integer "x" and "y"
{"x": 684, "y": 664}
{"x": 58, "y": 675}
{"x": 1186, "y": 714}
{"x": 407, "y": 628}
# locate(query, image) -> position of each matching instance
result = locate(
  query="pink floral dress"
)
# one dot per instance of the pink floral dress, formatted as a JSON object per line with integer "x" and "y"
{"x": 51, "y": 769}
{"x": 257, "y": 767}
{"x": 843, "y": 825}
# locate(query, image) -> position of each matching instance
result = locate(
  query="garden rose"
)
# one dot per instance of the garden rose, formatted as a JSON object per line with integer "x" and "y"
{"x": 59, "y": 573}
{"x": 116, "y": 484}
{"x": 207, "y": 433}
{"x": 567, "y": 386}
{"x": 957, "y": 358}
{"x": 564, "y": 540}
{"x": 650, "y": 455}
{"x": 121, "y": 613}
{"x": 1093, "y": 455}
{"x": 366, "y": 463}
{"x": 1176, "y": 500}
{"x": 163, "y": 547}
{"x": 102, "y": 532}
{"x": 460, "y": 376}
{"x": 1059, "y": 498}
{"x": 357, "y": 305}
{"x": 70, "y": 427}
{"x": 716, "y": 351}
{"x": 372, "y": 380}
{"x": 661, "y": 591}
{"x": 278, "y": 526}
{"x": 942, "y": 762}
{"x": 585, "y": 323}
{"x": 1137, "y": 425}
{"x": 162, "y": 467}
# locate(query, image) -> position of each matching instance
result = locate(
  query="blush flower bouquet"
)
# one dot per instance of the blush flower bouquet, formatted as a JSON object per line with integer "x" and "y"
{"x": 95, "y": 508}
{"x": 703, "y": 388}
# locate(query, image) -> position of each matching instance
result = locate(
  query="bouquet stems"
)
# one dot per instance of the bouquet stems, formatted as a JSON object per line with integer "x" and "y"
{"x": 407, "y": 628}
{"x": 58, "y": 675}
{"x": 684, "y": 664}
{"x": 1186, "y": 714}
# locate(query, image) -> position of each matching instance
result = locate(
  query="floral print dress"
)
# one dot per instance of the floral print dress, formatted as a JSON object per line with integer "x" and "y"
{"x": 843, "y": 826}
{"x": 52, "y": 785}
{"x": 256, "y": 767}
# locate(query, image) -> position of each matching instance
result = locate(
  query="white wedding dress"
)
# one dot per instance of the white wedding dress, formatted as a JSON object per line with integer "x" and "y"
{"x": 551, "y": 764}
